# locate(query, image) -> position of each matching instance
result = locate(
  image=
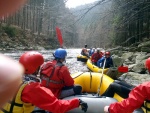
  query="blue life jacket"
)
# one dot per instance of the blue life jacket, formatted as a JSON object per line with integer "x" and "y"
{"x": 108, "y": 64}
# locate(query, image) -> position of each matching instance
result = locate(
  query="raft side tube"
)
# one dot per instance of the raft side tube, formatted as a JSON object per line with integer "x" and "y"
{"x": 95, "y": 104}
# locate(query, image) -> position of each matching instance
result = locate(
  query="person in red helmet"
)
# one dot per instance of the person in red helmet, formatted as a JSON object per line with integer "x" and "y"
{"x": 138, "y": 97}
{"x": 56, "y": 76}
{"x": 108, "y": 62}
{"x": 32, "y": 61}
{"x": 33, "y": 94}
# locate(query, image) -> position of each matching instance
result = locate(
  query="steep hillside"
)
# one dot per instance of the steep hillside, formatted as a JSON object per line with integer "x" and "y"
{"x": 12, "y": 37}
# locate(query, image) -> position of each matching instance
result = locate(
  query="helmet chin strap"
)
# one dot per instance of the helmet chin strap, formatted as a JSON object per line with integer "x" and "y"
{"x": 61, "y": 60}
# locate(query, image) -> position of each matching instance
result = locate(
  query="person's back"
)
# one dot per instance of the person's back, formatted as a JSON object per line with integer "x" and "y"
{"x": 56, "y": 76}
{"x": 59, "y": 78}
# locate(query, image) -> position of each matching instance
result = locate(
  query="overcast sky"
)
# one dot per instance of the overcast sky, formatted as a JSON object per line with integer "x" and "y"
{"x": 74, "y": 3}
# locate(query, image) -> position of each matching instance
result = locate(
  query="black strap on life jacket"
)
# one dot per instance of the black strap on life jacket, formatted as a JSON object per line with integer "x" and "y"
{"x": 13, "y": 103}
{"x": 39, "y": 111}
{"x": 52, "y": 73}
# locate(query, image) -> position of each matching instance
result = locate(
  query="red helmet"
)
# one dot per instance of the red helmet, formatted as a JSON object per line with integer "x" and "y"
{"x": 107, "y": 53}
{"x": 147, "y": 64}
{"x": 31, "y": 61}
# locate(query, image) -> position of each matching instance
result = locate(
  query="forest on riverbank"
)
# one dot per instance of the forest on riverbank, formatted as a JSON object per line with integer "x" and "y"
{"x": 105, "y": 23}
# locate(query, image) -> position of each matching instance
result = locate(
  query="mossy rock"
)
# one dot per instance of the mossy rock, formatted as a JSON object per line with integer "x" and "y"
{"x": 144, "y": 44}
{"x": 145, "y": 49}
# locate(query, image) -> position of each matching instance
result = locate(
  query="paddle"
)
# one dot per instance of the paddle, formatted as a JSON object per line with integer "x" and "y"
{"x": 101, "y": 77}
{"x": 59, "y": 36}
{"x": 123, "y": 69}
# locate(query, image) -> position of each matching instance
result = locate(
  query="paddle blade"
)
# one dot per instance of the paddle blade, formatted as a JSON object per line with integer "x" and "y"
{"x": 59, "y": 36}
{"x": 123, "y": 69}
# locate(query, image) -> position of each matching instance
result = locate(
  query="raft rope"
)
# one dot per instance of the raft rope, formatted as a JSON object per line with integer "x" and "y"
{"x": 90, "y": 79}
{"x": 98, "y": 91}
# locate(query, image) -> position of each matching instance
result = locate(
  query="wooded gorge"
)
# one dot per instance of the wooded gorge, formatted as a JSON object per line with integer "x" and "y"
{"x": 115, "y": 22}
{"x": 105, "y": 23}
{"x": 40, "y": 17}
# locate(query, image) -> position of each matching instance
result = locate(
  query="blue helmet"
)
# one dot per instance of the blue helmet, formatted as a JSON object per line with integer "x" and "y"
{"x": 60, "y": 53}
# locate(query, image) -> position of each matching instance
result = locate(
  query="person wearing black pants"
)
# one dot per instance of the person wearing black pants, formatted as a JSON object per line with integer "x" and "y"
{"x": 120, "y": 87}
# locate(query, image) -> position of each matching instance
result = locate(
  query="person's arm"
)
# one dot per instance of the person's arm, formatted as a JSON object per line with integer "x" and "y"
{"x": 135, "y": 100}
{"x": 44, "y": 99}
{"x": 99, "y": 62}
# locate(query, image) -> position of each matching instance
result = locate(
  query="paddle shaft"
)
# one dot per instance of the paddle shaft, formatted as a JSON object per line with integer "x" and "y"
{"x": 101, "y": 77}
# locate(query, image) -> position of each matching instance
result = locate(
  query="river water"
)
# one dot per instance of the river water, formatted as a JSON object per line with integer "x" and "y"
{"x": 77, "y": 66}
{"x": 71, "y": 60}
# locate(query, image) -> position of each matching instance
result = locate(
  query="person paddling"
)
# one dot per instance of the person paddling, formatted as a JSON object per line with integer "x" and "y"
{"x": 31, "y": 94}
{"x": 84, "y": 51}
{"x": 138, "y": 97}
{"x": 56, "y": 76}
{"x": 109, "y": 61}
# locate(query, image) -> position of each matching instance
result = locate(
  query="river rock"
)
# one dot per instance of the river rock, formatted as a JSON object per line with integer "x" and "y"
{"x": 145, "y": 49}
{"x": 140, "y": 57}
{"x": 133, "y": 49}
{"x": 131, "y": 67}
{"x": 40, "y": 48}
{"x": 128, "y": 62}
{"x": 144, "y": 44}
{"x": 135, "y": 78}
{"x": 118, "y": 61}
{"x": 127, "y": 55}
{"x": 139, "y": 68}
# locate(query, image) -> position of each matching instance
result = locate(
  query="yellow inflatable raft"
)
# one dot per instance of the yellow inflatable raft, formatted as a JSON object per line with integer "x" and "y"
{"x": 94, "y": 68}
{"x": 90, "y": 82}
{"x": 82, "y": 58}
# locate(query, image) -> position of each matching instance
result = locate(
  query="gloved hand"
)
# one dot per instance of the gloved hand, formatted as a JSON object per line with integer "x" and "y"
{"x": 83, "y": 105}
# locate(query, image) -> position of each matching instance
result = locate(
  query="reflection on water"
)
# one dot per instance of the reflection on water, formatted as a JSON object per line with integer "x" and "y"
{"x": 71, "y": 60}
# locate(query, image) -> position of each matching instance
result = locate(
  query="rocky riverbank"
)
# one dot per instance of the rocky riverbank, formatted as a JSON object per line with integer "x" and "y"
{"x": 135, "y": 61}
{"x": 14, "y": 38}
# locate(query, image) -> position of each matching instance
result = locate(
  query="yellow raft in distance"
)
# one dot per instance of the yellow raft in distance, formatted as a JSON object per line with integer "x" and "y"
{"x": 94, "y": 68}
{"x": 82, "y": 58}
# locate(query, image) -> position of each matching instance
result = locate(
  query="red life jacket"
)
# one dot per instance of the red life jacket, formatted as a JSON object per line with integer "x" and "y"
{"x": 50, "y": 75}
{"x": 96, "y": 57}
